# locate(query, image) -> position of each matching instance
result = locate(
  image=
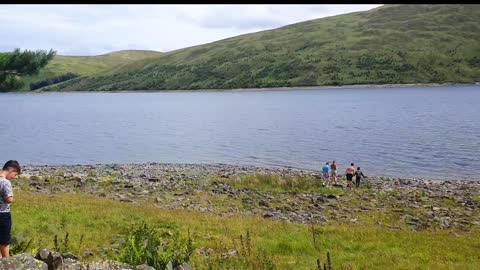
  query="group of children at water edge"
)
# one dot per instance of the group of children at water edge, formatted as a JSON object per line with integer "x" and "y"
{"x": 330, "y": 174}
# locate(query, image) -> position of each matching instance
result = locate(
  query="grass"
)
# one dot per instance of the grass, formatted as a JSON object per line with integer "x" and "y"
{"x": 99, "y": 221}
{"x": 396, "y": 44}
{"x": 87, "y": 65}
{"x": 276, "y": 183}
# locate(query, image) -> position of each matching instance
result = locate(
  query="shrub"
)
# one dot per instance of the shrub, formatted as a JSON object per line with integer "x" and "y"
{"x": 54, "y": 80}
{"x": 157, "y": 247}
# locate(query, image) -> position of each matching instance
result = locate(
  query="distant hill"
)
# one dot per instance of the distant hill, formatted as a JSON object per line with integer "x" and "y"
{"x": 390, "y": 44}
{"x": 87, "y": 65}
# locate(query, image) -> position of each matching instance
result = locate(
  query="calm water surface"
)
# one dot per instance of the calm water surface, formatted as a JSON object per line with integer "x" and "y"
{"x": 417, "y": 132}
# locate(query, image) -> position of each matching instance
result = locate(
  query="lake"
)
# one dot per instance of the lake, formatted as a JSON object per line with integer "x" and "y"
{"x": 423, "y": 132}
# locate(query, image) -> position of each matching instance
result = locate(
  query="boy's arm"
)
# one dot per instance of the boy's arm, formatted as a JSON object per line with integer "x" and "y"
{"x": 7, "y": 193}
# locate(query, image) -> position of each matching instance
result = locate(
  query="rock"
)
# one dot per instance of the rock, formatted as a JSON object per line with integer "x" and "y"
{"x": 263, "y": 203}
{"x": 34, "y": 178}
{"x": 124, "y": 199}
{"x": 183, "y": 266}
{"x": 144, "y": 267}
{"x": 54, "y": 260}
{"x": 232, "y": 253}
{"x": 204, "y": 251}
{"x": 103, "y": 265}
{"x": 22, "y": 261}
{"x": 68, "y": 255}
{"x": 42, "y": 255}
{"x": 411, "y": 220}
{"x": 331, "y": 196}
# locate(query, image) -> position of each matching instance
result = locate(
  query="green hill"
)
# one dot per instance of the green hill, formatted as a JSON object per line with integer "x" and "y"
{"x": 390, "y": 44}
{"x": 87, "y": 65}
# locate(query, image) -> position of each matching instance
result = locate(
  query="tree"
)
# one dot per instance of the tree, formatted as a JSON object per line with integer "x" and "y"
{"x": 17, "y": 64}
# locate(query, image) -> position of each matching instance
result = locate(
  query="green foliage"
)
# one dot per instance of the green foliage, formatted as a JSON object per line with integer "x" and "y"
{"x": 19, "y": 63}
{"x": 157, "y": 247}
{"x": 247, "y": 257}
{"x": 54, "y": 80}
{"x": 85, "y": 65}
{"x": 20, "y": 244}
{"x": 364, "y": 245}
{"x": 277, "y": 183}
{"x": 392, "y": 44}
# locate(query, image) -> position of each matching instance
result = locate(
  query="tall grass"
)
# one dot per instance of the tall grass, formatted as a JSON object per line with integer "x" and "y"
{"x": 278, "y": 183}
{"x": 287, "y": 245}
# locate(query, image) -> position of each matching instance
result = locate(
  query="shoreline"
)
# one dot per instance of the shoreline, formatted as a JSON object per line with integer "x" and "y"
{"x": 282, "y": 194}
{"x": 320, "y": 87}
{"x": 214, "y": 167}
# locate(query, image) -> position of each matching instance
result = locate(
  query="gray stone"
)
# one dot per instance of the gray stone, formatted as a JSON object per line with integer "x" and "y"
{"x": 183, "y": 266}
{"x": 42, "y": 255}
{"x": 144, "y": 267}
{"x": 263, "y": 203}
{"x": 68, "y": 255}
{"x": 54, "y": 260}
{"x": 22, "y": 261}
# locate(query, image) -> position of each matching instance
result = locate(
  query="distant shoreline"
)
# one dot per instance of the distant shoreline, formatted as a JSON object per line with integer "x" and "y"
{"x": 215, "y": 167}
{"x": 347, "y": 86}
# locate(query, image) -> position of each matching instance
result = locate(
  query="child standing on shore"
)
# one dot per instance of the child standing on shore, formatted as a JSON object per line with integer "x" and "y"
{"x": 326, "y": 175}
{"x": 333, "y": 173}
{"x": 358, "y": 175}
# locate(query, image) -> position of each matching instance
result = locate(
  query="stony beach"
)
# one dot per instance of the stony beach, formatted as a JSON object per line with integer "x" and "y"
{"x": 416, "y": 204}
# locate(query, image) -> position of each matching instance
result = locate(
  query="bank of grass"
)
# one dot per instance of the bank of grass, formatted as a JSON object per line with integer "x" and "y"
{"x": 289, "y": 246}
{"x": 278, "y": 183}
{"x": 87, "y": 65}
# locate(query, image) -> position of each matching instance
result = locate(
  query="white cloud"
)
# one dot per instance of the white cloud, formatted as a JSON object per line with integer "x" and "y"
{"x": 97, "y": 29}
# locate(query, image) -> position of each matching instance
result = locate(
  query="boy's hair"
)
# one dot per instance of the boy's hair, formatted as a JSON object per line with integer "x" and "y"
{"x": 327, "y": 163}
{"x": 351, "y": 164}
{"x": 12, "y": 164}
{"x": 358, "y": 168}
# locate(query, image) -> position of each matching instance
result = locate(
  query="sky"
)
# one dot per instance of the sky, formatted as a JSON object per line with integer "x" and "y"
{"x": 99, "y": 29}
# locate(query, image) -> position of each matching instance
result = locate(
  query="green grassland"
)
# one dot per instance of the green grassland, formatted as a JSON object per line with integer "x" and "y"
{"x": 392, "y": 44}
{"x": 87, "y": 65}
{"x": 95, "y": 224}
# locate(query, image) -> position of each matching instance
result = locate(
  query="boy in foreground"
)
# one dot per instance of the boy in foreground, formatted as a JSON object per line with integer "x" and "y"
{"x": 9, "y": 172}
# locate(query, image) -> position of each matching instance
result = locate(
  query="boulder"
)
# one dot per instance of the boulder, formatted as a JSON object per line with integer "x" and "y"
{"x": 42, "y": 255}
{"x": 22, "y": 261}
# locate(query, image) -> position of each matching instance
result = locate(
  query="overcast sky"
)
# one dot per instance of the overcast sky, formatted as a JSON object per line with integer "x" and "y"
{"x": 98, "y": 29}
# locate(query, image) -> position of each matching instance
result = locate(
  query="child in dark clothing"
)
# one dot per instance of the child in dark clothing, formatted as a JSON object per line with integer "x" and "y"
{"x": 358, "y": 175}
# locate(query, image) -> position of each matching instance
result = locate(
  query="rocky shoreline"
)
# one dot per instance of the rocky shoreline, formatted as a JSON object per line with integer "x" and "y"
{"x": 417, "y": 203}
{"x": 287, "y": 88}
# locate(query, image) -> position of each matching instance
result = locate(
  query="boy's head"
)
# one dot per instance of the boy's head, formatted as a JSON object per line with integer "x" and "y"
{"x": 352, "y": 164}
{"x": 358, "y": 168}
{"x": 11, "y": 169}
{"x": 327, "y": 163}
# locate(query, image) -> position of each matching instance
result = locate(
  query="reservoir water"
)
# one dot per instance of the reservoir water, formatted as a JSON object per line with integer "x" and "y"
{"x": 427, "y": 132}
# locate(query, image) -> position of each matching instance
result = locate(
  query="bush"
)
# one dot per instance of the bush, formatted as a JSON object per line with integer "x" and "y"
{"x": 157, "y": 247}
{"x": 54, "y": 80}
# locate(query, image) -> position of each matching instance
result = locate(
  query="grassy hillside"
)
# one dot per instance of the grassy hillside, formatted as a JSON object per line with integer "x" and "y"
{"x": 287, "y": 245}
{"x": 389, "y": 44}
{"x": 87, "y": 65}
